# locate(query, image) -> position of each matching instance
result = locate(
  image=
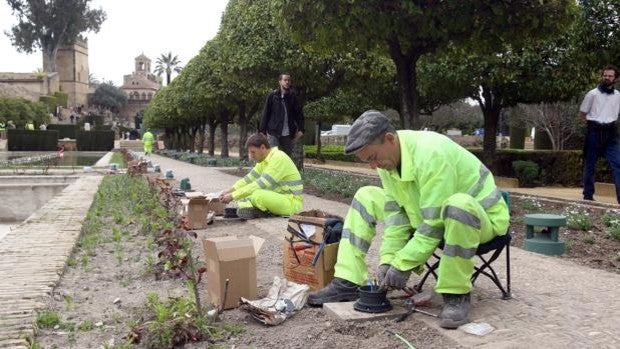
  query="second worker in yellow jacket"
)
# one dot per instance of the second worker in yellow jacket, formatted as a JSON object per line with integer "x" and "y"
{"x": 273, "y": 186}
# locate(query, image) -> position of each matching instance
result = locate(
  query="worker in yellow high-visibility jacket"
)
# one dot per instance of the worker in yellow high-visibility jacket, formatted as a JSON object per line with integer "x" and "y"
{"x": 432, "y": 187}
{"x": 273, "y": 186}
{"x": 148, "y": 139}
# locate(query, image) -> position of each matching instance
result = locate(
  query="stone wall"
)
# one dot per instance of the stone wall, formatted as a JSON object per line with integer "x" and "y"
{"x": 23, "y": 195}
{"x": 29, "y": 86}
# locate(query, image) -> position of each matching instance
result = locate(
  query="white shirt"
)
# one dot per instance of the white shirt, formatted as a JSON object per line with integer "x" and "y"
{"x": 601, "y": 107}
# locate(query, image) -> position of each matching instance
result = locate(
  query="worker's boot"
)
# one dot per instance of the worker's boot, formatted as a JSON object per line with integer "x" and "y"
{"x": 339, "y": 290}
{"x": 455, "y": 310}
{"x": 251, "y": 213}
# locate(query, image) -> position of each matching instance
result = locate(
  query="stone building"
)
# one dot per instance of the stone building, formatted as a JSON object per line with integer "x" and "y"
{"x": 29, "y": 85}
{"x": 72, "y": 66}
{"x": 140, "y": 87}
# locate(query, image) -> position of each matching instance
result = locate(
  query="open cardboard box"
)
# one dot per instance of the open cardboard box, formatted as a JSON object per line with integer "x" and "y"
{"x": 298, "y": 255}
{"x": 233, "y": 259}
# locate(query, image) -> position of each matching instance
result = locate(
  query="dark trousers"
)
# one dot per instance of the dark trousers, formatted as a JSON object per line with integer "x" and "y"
{"x": 601, "y": 140}
{"x": 284, "y": 143}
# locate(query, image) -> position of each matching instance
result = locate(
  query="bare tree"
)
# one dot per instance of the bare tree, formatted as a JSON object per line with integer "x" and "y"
{"x": 559, "y": 120}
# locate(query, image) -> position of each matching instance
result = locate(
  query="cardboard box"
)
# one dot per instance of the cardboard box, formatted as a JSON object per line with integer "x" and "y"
{"x": 234, "y": 259}
{"x": 198, "y": 210}
{"x": 298, "y": 256}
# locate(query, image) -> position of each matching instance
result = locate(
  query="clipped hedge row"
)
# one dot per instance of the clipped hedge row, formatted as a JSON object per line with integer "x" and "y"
{"x": 94, "y": 140}
{"x": 49, "y": 101}
{"x": 560, "y": 167}
{"x": 65, "y": 131}
{"x": 61, "y": 98}
{"x": 32, "y": 140}
{"x": 329, "y": 152}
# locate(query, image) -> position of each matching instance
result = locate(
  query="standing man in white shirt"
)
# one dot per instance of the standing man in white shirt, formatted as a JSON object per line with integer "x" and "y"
{"x": 600, "y": 109}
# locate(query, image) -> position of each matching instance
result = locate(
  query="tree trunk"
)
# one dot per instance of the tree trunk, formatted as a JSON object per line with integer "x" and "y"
{"x": 192, "y": 131}
{"x": 201, "y": 135}
{"x": 407, "y": 81}
{"x": 225, "y": 119}
{"x": 212, "y": 129}
{"x": 243, "y": 131}
{"x": 49, "y": 64}
{"x": 491, "y": 108}
{"x": 319, "y": 156}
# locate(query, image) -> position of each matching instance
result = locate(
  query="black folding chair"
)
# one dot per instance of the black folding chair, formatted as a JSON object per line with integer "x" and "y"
{"x": 497, "y": 245}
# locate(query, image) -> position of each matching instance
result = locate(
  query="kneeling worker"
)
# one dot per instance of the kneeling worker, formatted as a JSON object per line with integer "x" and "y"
{"x": 274, "y": 185}
{"x": 431, "y": 187}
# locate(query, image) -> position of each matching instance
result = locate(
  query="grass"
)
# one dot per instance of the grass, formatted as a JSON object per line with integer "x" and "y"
{"x": 117, "y": 158}
{"x": 86, "y": 325}
{"x": 48, "y": 319}
{"x": 336, "y": 182}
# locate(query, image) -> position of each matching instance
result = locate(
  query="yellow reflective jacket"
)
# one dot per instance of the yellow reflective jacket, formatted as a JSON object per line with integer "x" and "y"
{"x": 148, "y": 137}
{"x": 276, "y": 172}
{"x": 432, "y": 168}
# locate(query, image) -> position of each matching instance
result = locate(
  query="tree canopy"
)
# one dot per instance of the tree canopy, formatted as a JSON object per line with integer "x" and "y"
{"x": 50, "y": 24}
{"x": 407, "y": 30}
{"x": 109, "y": 96}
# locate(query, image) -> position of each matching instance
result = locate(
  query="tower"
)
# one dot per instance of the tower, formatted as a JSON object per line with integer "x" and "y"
{"x": 72, "y": 66}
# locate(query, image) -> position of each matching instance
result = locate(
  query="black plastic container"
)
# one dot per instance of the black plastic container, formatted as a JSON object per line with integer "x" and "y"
{"x": 372, "y": 300}
{"x": 230, "y": 212}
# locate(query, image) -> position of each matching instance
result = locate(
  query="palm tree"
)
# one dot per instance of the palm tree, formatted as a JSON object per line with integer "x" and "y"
{"x": 166, "y": 63}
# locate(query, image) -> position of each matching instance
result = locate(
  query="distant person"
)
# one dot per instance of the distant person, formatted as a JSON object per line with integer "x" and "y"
{"x": 10, "y": 125}
{"x": 148, "y": 139}
{"x": 2, "y": 130}
{"x": 600, "y": 109}
{"x": 273, "y": 186}
{"x": 72, "y": 117}
{"x": 134, "y": 134}
{"x": 29, "y": 126}
{"x": 283, "y": 118}
{"x": 43, "y": 127}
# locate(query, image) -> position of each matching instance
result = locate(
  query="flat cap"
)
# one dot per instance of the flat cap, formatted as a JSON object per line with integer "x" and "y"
{"x": 366, "y": 129}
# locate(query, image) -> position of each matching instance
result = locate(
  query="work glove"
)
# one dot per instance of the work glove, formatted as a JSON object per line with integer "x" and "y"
{"x": 395, "y": 279}
{"x": 381, "y": 271}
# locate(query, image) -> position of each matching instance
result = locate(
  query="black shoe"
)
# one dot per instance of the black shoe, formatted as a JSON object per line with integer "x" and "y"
{"x": 455, "y": 310}
{"x": 588, "y": 198}
{"x": 251, "y": 213}
{"x": 339, "y": 290}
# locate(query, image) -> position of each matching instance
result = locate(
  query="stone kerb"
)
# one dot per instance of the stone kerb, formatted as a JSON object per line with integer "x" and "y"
{"x": 33, "y": 257}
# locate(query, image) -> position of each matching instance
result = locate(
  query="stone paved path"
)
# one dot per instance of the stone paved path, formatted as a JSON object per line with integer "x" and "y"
{"x": 33, "y": 256}
{"x": 556, "y": 303}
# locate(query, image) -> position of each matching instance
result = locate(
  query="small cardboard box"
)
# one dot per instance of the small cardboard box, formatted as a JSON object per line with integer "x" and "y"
{"x": 198, "y": 209}
{"x": 298, "y": 255}
{"x": 234, "y": 259}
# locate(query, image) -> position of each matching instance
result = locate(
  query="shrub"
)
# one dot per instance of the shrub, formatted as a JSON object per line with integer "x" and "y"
{"x": 578, "y": 220}
{"x": 48, "y": 319}
{"x": 35, "y": 140}
{"x": 95, "y": 140}
{"x": 64, "y": 131}
{"x": 49, "y": 101}
{"x": 517, "y": 137}
{"x": 526, "y": 172}
{"x": 61, "y": 98}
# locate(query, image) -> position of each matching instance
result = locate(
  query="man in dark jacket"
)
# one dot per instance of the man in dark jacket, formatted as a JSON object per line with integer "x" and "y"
{"x": 283, "y": 118}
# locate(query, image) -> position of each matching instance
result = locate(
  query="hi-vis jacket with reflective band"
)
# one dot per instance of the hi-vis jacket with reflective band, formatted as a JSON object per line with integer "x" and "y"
{"x": 432, "y": 168}
{"x": 276, "y": 172}
{"x": 148, "y": 137}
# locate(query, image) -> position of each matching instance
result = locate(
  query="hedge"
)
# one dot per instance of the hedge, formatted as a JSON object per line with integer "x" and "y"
{"x": 49, "y": 101}
{"x": 65, "y": 131}
{"x": 32, "y": 140}
{"x": 61, "y": 98}
{"x": 94, "y": 140}
{"x": 556, "y": 167}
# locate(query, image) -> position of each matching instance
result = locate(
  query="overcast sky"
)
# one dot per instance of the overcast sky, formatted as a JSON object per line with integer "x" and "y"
{"x": 132, "y": 27}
